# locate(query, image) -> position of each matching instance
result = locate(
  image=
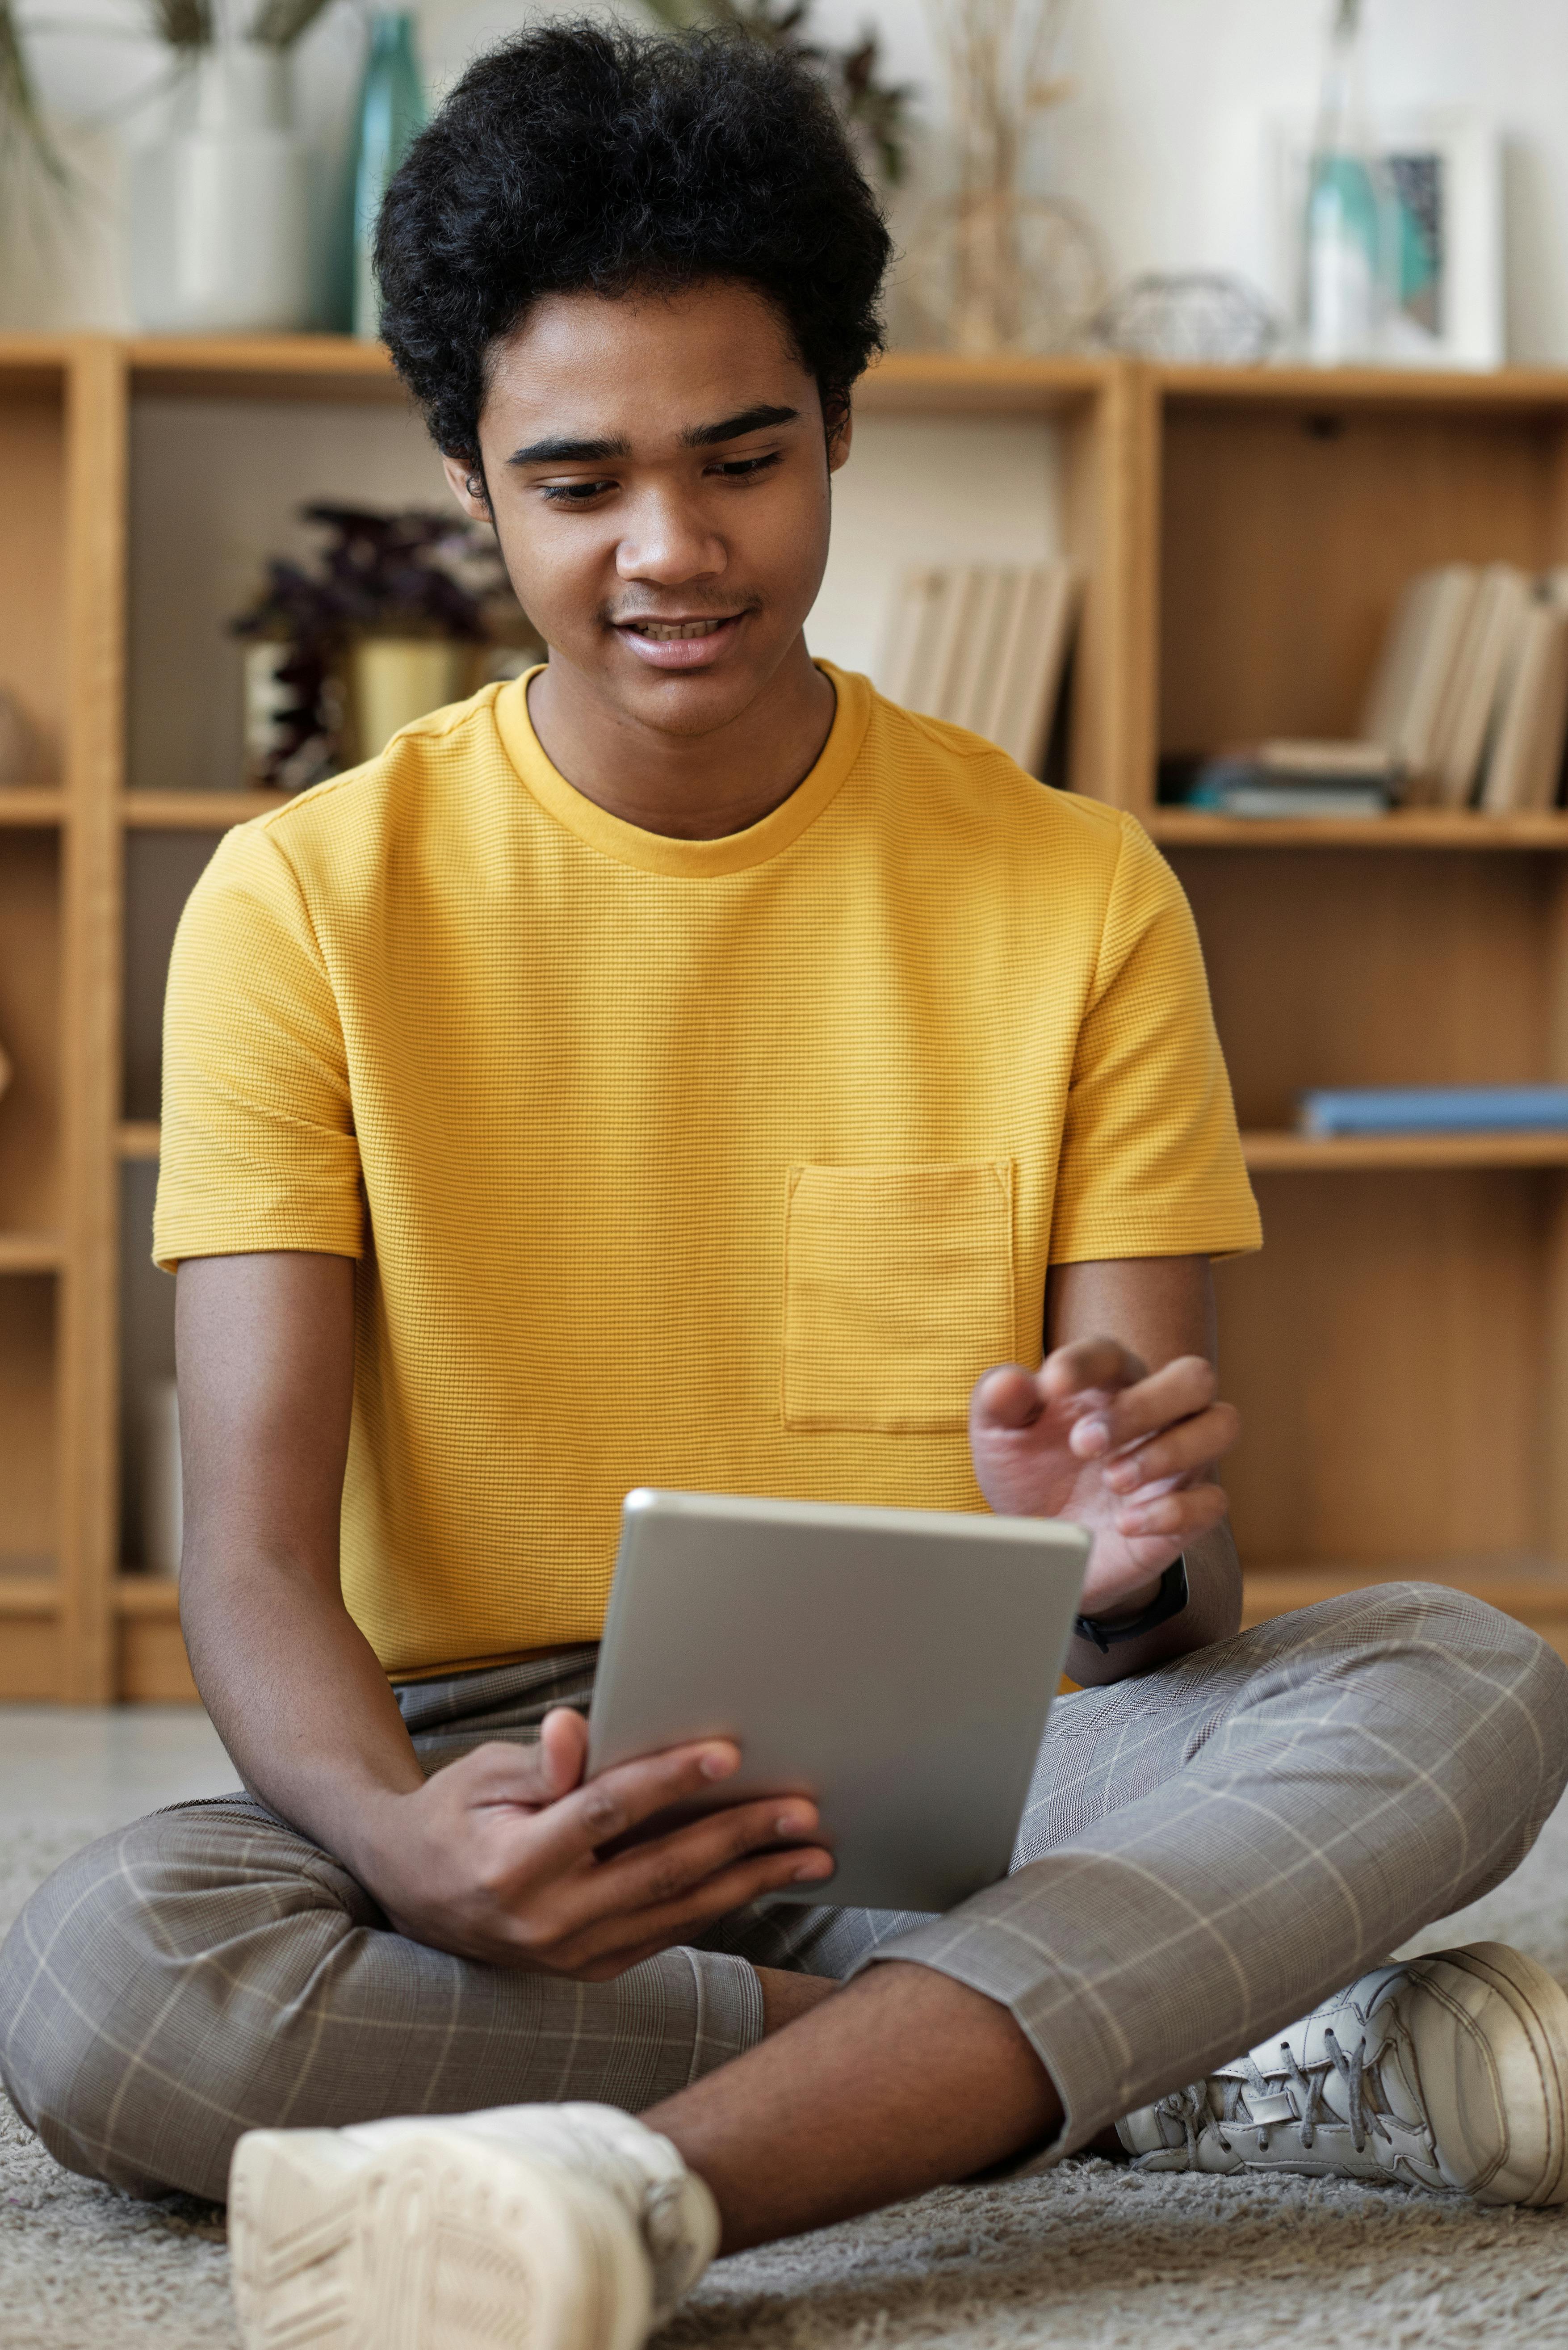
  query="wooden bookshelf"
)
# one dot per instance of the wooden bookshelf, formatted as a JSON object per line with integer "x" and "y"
{"x": 1400, "y": 1347}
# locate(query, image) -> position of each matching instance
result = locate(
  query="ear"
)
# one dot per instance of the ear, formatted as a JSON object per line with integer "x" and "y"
{"x": 838, "y": 421}
{"x": 466, "y": 482}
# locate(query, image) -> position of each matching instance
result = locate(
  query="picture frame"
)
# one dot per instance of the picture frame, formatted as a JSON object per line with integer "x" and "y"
{"x": 1444, "y": 175}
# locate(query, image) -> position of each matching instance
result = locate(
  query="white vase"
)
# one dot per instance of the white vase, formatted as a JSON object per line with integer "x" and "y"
{"x": 219, "y": 206}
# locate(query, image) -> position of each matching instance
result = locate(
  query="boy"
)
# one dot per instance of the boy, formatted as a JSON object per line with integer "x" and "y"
{"x": 683, "y": 1067}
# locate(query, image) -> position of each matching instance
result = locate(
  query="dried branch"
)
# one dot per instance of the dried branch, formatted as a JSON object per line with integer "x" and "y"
{"x": 22, "y": 128}
{"x": 279, "y": 24}
{"x": 181, "y": 24}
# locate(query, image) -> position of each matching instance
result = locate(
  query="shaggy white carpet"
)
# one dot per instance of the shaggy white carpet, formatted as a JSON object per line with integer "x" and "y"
{"x": 1088, "y": 2257}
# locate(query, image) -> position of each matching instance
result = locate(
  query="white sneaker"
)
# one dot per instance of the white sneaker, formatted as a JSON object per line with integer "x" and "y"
{"x": 524, "y": 2228}
{"x": 1448, "y": 2072}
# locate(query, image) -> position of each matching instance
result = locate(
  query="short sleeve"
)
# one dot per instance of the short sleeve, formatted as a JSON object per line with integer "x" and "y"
{"x": 1151, "y": 1161}
{"x": 258, "y": 1147}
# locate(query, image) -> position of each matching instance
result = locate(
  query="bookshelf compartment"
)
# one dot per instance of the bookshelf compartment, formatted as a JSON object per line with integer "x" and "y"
{"x": 32, "y": 556}
{"x": 161, "y": 868}
{"x": 29, "y": 1519}
{"x": 1333, "y": 967}
{"x": 1394, "y": 1353}
{"x": 202, "y": 526}
{"x": 30, "y": 1107}
{"x": 1289, "y": 525}
{"x": 146, "y": 1343}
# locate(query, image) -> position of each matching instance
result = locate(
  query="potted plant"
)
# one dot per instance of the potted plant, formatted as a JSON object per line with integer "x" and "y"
{"x": 219, "y": 203}
{"x": 401, "y": 613}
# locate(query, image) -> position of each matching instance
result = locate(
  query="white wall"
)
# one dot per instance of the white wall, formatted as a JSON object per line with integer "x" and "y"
{"x": 1160, "y": 144}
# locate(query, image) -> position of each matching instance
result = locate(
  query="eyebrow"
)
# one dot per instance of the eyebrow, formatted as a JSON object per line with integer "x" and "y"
{"x": 564, "y": 450}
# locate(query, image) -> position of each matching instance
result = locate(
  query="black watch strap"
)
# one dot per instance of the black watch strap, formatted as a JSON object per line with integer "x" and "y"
{"x": 1167, "y": 1601}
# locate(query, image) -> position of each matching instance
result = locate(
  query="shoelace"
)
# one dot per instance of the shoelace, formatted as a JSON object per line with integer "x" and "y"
{"x": 1362, "y": 2089}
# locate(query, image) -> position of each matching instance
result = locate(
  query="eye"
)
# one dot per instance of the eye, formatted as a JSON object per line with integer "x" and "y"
{"x": 573, "y": 494}
{"x": 746, "y": 469}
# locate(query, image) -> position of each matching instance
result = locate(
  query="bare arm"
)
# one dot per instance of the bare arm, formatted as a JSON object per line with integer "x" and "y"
{"x": 497, "y": 1856}
{"x": 1120, "y": 1430}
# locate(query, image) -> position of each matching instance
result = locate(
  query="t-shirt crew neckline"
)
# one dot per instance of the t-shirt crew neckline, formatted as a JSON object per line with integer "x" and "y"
{"x": 655, "y": 852}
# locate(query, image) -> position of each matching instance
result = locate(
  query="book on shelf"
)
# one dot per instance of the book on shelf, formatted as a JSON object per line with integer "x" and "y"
{"x": 1480, "y": 666}
{"x": 1524, "y": 758}
{"x": 1433, "y": 1109}
{"x": 1289, "y": 778}
{"x": 984, "y": 646}
{"x": 1405, "y": 701}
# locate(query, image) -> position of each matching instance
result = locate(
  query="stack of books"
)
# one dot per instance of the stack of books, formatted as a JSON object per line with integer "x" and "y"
{"x": 984, "y": 646}
{"x": 1433, "y": 1109}
{"x": 1467, "y": 708}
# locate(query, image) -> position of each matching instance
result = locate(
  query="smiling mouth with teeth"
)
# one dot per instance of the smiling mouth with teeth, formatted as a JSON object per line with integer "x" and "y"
{"x": 663, "y": 632}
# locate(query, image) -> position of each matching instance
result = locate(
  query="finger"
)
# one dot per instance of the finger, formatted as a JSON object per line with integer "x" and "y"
{"x": 1007, "y": 1396}
{"x": 627, "y": 1939}
{"x": 562, "y": 1750}
{"x": 1175, "y": 1517}
{"x": 1181, "y": 1388}
{"x": 1175, "y": 1452}
{"x": 500, "y": 1772}
{"x": 653, "y": 1875}
{"x": 621, "y": 1799}
{"x": 1089, "y": 1364}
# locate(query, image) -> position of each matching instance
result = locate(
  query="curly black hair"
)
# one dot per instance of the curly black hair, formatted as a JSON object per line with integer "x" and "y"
{"x": 576, "y": 159}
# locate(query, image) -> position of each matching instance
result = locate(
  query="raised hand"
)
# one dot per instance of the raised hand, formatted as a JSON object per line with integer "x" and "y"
{"x": 1096, "y": 1437}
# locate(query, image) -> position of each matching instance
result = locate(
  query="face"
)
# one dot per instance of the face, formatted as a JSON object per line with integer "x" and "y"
{"x": 658, "y": 470}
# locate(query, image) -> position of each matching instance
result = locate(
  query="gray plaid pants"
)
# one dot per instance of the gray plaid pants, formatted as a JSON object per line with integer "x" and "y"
{"x": 1208, "y": 1850}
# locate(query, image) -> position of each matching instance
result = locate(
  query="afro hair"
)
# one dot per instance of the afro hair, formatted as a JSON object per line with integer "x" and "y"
{"x": 576, "y": 159}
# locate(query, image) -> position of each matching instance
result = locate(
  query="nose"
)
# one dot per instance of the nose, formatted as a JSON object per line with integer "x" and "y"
{"x": 667, "y": 542}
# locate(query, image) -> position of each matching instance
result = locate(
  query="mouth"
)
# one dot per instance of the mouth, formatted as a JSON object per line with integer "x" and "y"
{"x": 679, "y": 643}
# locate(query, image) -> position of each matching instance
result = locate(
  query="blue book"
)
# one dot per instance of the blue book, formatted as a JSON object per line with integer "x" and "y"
{"x": 1433, "y": 1109}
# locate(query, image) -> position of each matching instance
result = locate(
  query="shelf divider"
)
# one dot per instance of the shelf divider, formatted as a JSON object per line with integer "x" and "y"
{"x": 1271, "y": 1152}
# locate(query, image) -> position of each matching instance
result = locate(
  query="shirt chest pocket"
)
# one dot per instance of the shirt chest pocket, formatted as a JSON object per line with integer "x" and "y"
{"x": 898, "y": 1293}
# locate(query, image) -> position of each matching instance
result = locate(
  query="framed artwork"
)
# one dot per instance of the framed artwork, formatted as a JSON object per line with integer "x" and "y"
{"x": 1441, "y": 194}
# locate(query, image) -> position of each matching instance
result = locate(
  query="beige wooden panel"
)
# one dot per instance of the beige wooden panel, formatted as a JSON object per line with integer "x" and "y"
{"x": 29, "y": 1659}
{"x": 1287, "y": 534}
{"x": 30, "y": 1107}
{"x": 1329, "y": 967}
{"x": 153, "y": 1669}
{"x": 29, "y": 1516}
{"x": 1387, "y": 1350}
{"x": 32, "y": 563}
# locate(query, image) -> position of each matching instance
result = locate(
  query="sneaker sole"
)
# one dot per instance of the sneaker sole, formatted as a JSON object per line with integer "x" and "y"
{"x": 1542, "y": 2006}
{"x": 434, "y": 2243}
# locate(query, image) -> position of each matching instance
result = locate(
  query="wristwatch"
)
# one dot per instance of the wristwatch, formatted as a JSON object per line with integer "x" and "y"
{"x": 1167, "y": 1601}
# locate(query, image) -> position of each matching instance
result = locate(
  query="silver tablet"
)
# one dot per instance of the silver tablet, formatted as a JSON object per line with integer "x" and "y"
{"x": 895, "y": 1665}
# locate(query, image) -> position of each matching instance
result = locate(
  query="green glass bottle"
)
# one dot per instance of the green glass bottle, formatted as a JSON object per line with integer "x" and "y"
{"x": 391, "y": 112}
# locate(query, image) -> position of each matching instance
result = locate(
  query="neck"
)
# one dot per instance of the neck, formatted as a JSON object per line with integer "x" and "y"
{"x": 689, "y": 787}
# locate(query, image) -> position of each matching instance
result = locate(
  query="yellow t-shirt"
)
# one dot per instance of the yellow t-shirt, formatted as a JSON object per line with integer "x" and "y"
{"x": 726, "y": 1165}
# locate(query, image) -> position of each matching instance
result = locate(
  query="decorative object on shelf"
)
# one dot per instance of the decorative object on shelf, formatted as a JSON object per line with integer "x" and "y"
{"x": 1196, "y": 315}
{"x": 162, "y": 1493}
{"x": 400, "y": 613}
{"x": 219, "y": 203}
{"x": 994, "y": 266}
{"x": 1388, "y": 233}
{"x": 875, "y": 112}
{"x": 984, "y": 646}
{"x": 1347, "y": 222}
{"x": 21, "y": 753}
{"x": 390, "y": 115}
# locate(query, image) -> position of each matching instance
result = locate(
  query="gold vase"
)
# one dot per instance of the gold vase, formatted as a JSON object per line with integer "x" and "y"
{"x": 394, "y": 680}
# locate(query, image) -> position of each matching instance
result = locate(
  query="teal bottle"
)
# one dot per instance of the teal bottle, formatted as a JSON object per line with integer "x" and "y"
{"x": 391, "y": 112}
